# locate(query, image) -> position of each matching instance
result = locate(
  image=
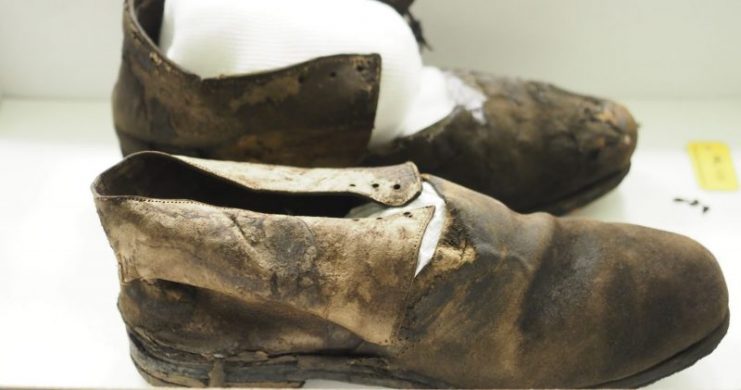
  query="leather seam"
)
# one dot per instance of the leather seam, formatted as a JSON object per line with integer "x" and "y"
{"x": 418, "y": 243}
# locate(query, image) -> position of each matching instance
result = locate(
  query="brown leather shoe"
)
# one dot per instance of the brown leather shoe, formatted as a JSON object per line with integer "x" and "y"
{"x": 533, "y": 146}
{"x": 244, "y": 274}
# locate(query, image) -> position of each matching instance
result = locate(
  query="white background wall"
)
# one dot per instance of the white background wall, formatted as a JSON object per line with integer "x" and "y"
{"x": 620, "y": 48}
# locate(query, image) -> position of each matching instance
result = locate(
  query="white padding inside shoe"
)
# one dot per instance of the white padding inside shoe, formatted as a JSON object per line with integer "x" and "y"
{"x": 229, "y": 37}
{"x": 428, "y": 197}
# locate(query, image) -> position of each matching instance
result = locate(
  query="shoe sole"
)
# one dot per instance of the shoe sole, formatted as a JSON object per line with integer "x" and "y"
{"x": 583, "y": 196}
{"x": 163, "y": 366}
{"x": 677, "y": 363}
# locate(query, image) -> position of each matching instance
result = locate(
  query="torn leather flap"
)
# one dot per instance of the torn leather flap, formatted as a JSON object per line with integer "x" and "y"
{"x": 394, "y": 185}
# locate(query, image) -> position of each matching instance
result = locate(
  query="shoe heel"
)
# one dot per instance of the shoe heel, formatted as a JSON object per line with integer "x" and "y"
{"x": 169, "y": 368}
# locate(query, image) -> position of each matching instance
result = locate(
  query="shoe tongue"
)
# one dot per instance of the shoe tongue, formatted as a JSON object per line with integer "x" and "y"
{"x": 394, "y": 185}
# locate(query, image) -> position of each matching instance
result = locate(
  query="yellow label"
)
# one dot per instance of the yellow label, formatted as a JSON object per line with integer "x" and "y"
{"x": 714, "y": 166}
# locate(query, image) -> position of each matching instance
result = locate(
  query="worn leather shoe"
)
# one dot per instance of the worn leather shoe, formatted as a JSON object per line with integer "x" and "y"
{"x": 531, "y": 145}
{"x": 239, "y": 274}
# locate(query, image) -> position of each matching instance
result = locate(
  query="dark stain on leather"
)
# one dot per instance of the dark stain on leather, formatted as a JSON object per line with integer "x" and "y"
{"x": 538, "y": 143}
{"x": 332, "y": 101}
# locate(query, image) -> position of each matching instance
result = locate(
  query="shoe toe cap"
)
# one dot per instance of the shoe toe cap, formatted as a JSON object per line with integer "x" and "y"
{"x": 663, "y": 294}
{"x": 684, "y": 295}
{"x": 624, "y": 300}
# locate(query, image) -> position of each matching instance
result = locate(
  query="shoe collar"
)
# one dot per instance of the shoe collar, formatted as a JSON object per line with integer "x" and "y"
{"x": 394, "y": 186}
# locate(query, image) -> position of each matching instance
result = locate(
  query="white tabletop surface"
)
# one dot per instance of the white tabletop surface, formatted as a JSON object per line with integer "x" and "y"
{"x": 59, "y": 325}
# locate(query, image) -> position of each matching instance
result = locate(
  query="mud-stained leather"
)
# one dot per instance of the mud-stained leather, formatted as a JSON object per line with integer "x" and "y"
{"x": 508, "y": 300}
{"x": 533, "y": 301}
{"x": 321, "y": 112}
{"x": 537, "y": 144}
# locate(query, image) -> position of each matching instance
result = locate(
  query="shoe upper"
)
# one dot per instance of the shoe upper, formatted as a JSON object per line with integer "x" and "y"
{"x": 534, "y": 301}
{"x": 530, "y": 145}
{"x": 536, "y": 145}
{"x": 167, "y": 213}
{"x": 159, "y": 106}
{"x": 250, "y": 261}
